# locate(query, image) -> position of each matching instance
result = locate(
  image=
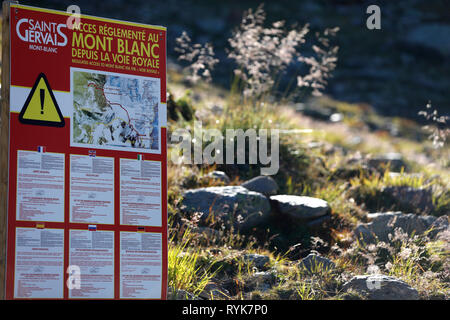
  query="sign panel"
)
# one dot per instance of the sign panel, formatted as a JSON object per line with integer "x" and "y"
{"x": 87, "y": 188}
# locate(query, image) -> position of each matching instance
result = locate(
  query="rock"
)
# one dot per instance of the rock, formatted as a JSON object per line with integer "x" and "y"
{"x": 219, "y": 175}
{"x": 416, "y": 198}
{"x": 395, "y": 161}
{"x": 362, "y": 232}
{"x": 355, "y": 140}
{"x": 262, "y": 184}
{"x": 414, "y": 175}
{"x": 317, "y": 112}
{"x": 336, "y": 117}
{"x": 440, "y": 227}
{"x": 444, "y": 236}
{"x": 317, "y": 223}
{"x": 383, "y": 224}
{"x": 216, "y": 110}
{"x": 351, "y": 171}
{"x": 313, "y": 262}
{"x": 261, "y": 281}
{"x": 245, "y": 208}
{"x": 315, "y": 145}
{"x": 257, "y": 260}
{"x": 300, "y": 207}
{"x": 381, "y": 287}
{"x": 430, "y": 36}
{"x": 213, "y": 291}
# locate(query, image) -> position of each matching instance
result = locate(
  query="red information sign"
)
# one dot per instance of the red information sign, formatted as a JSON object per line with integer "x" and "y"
{"x": 87, "y": 198}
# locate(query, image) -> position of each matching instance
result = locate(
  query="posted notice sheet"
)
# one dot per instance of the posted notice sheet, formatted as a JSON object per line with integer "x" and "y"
{"x": 39, "y": 263}
{"x": 91, "y": 189}
{"x": 40, "y": 186}
{"x": 140, "y": 192}
{"x": 93, "y": 253}
{"x": 140, "y": 265}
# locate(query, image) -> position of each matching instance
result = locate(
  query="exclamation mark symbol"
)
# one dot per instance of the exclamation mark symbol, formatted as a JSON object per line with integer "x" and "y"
{"x": 42, "y": 100}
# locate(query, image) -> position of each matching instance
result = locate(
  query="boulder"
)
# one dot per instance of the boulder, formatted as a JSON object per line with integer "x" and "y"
{"x": 393, "y": 159}
{"x": 262, "y": 184}
{"x": 213, "y": 291}
{"x": 420, "y": 198}
{"x": 316, "y": 112}
{"x": 300, "y": 207}
{"x": 244, "y": 208}
{"x": 219, "y": 175}
{"x": 216, "y": 109}
{"x": 261, "y": 281}
{"x": 444, "y": 235}
{"x": 383, "y": 224}
{"x": 381, "y": 287}
{"x": 440, "y": 228}
{"x": 316, "y": 224}
{"x": 313, "y": 262}
{"x": 257, "y": 260}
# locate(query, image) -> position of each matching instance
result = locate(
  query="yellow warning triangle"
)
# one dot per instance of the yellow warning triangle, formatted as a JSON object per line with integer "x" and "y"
{"x": 41, "y": 107}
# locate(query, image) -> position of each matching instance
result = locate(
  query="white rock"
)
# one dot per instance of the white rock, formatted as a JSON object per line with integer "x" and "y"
{"x": 381, "y": 287}
{"x": 246, "y": 209}
{"x": 300, "y": 207}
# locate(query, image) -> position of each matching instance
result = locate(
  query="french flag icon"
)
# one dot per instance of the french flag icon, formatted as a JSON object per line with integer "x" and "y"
{"x": 40, "y": 149}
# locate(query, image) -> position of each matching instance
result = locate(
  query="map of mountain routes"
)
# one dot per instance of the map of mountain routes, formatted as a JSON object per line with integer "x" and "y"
{"x": 115, "y": 111}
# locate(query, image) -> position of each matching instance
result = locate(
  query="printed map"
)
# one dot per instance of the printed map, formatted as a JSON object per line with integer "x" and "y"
{"x": 115, "y": 111}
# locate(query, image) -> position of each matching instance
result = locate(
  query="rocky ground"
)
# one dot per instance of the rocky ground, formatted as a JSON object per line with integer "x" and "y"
{"x": 355, "y": 212}
{"x": 287, "y": 275}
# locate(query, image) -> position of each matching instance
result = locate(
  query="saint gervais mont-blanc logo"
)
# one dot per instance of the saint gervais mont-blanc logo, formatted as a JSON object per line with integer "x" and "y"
{"x": 41, "y": 32}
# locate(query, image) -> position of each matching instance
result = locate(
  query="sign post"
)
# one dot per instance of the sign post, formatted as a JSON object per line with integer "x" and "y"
{"x": 83, "y": 181}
